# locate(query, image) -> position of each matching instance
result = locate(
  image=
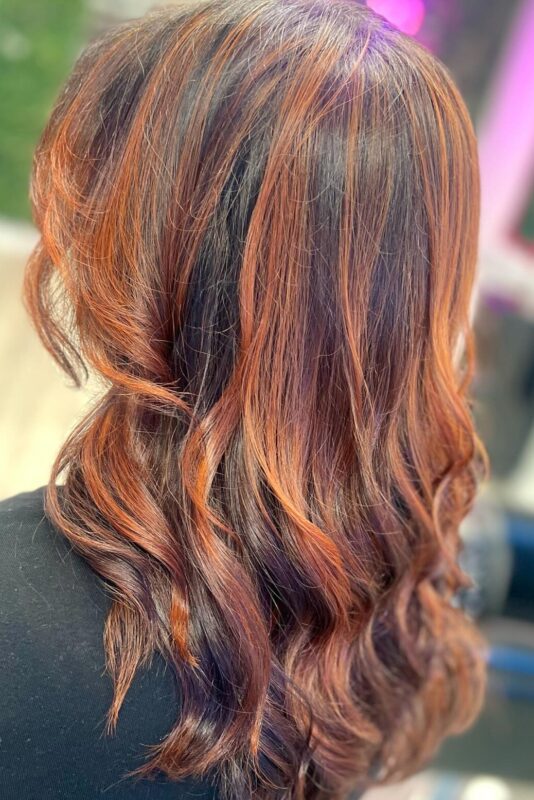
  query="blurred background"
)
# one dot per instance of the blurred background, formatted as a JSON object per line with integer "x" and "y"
{"x": 489, "y": 47}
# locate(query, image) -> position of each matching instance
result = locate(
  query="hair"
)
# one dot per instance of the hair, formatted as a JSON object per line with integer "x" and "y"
{"x": 259, "y": 228}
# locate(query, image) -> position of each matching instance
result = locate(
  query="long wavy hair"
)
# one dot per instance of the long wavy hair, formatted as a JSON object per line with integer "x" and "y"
{"x": 259, "y": 227}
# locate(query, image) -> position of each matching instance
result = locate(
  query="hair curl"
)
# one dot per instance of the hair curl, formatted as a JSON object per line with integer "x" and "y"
{"x": 259, "y": 225}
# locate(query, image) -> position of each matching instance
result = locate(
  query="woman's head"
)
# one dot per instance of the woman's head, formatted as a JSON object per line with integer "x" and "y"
{"x": 259, "y": 226}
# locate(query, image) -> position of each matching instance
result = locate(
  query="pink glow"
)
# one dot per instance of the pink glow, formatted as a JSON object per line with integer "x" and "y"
{"x": 407, "y": 15}
{"x": 506, "y": 132}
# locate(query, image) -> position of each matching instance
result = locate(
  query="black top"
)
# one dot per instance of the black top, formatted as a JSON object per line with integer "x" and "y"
{"x": 55, "y": 692}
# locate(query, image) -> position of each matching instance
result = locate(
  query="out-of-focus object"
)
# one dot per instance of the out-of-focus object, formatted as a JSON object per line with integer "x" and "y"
{"x": 407, "y": 15}
{"x": 499, "y": 557}
{"x": 506, "y": 143}
{"x": 125, "y": 9}
{"x": 433, "y": 785}
{"x": 487, "y": 558}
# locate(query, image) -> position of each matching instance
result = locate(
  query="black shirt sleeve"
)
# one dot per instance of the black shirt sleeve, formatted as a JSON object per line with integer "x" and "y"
{"x": 54, "y": 691}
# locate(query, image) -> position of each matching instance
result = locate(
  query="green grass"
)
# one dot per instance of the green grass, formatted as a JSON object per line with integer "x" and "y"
{"x": 39, "y": 41}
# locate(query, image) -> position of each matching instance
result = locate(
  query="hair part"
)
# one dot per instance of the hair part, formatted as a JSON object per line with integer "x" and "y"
{"x": 258, "y": 226}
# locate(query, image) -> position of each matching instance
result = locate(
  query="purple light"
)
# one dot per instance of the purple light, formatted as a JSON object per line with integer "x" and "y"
{"x": 407, "y": 15}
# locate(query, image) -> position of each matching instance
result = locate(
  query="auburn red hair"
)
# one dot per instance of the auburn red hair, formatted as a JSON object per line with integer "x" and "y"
{"x": 259, "y": 225}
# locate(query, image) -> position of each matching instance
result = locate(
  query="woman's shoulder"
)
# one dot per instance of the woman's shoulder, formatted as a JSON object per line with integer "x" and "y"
{"x": 37, "y": 561}
{"x": 45, "y": 584}
{"x": 54, "y": 691}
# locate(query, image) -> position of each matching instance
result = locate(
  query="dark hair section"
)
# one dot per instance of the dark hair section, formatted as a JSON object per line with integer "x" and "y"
{"x": 259, "y": 228}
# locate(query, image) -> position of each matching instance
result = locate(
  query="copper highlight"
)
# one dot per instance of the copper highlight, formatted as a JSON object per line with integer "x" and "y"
{"x": 259, "y": 227}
